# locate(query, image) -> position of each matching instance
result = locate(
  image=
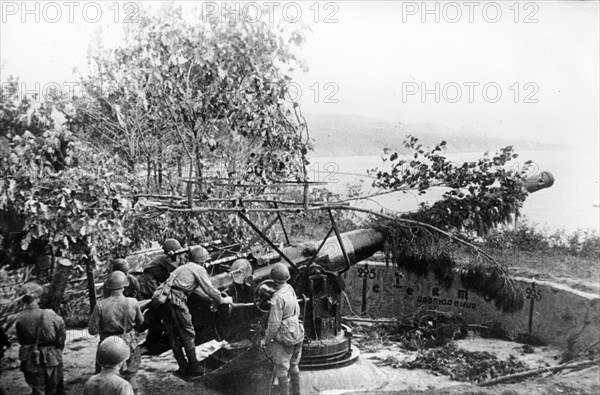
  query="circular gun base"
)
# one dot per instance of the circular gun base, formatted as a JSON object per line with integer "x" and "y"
{"x": 329, "y": 353}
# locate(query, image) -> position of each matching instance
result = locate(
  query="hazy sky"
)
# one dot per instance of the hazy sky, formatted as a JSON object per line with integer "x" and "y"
{"x": 373, "y": 54}
{"x": 374, "y": 59}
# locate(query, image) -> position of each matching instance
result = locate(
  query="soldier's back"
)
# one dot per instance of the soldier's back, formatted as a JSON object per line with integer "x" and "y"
{"x": 115, "y": 312}
{"x": 105, "y": 383}
{"x": 29, "y": 320}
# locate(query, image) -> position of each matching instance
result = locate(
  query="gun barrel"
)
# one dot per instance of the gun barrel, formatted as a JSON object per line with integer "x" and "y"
{"x": 359, "y": 245}
{"x": 534, "y": 183}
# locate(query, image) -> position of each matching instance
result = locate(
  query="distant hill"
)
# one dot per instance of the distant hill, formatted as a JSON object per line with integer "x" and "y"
{"x": 354, "y": 135}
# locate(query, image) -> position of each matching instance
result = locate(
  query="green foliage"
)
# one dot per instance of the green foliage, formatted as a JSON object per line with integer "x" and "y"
{"x": 208, "y": 96}
{"x": 56, "y": 196}
{"x": 482, "y": 194}
{"x": 205, "y": 94}
{"x": 423, "y": 252}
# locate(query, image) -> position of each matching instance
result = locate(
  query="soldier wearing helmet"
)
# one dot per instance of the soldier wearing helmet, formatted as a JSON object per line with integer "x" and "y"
{"x": 185, "y": 280}
{"x": 120, "y": 316}
{"x": 285, "y": 332}
{"x": 133, "y": 289}
{"x": 159, "y": 269}
{"x": 41, "y": 334}
{"x": 112, "y": 352}
{"x": 155, "y": 274}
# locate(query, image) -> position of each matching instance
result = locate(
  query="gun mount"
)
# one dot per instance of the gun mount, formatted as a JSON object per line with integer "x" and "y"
{"x": 316, "y": 269}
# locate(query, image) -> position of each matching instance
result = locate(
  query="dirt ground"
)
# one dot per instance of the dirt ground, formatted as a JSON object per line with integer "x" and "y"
{"x": 369, "y": 375}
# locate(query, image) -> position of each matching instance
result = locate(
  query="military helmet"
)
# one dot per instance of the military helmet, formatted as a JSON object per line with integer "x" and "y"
{"x": 112, "y": 351}
{"x": 171, "y": 245}
{"x": 120, "y": 265}
{"x": 198, "y": 255}
{"x": 117, "y": 280}
{"x": 30, "y": 291}
{"x": 279, "y": 273}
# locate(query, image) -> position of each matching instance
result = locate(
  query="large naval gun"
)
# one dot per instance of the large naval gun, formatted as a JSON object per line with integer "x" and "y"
{"x": 316, "y": 268}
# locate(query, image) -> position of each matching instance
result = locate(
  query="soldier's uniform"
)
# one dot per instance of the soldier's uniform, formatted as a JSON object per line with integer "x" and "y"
{"x": 106, "y": 382}
{"x": 285, "y": 333}
{"x": 159, "y": 269}
{"x": 156, "y": 273}
{"x": 41, "y": 334}
{"x": 120, "y": 316}
{"x": 188, "y": 278}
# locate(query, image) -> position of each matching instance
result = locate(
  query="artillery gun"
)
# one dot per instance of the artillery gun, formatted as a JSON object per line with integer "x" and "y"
{"x": 316, "y": 269}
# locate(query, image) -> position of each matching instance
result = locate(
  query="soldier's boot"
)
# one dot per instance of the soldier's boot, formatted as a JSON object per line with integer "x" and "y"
{"x": 181, "y": 361}
{"x": 284, "y": 385}
{"x": 294, "y": 383}
{"x": 194, "y": 367}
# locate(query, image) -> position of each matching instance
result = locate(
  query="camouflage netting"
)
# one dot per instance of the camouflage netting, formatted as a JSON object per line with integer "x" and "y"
{"x": 422, "y": 251}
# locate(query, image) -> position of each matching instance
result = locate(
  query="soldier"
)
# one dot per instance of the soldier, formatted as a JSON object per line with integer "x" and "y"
{"x": 41, "y": 334}
{"x": 159, "y": 269}
{"x": 185, "y": 280}
{"x": 133, "y": 289}
{"x": 120, "y": 316}
{"x": 285, "y": 332}
{"x": 112, "y": 352}
{"x": 155, "y": 274}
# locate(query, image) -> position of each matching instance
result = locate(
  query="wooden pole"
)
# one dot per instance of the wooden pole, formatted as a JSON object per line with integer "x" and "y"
{"x": 89, "y": 272}
{"x": 529, "y": 373}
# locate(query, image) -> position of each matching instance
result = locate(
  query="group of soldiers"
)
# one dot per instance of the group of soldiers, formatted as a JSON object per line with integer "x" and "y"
{"x": 162, "y": 291}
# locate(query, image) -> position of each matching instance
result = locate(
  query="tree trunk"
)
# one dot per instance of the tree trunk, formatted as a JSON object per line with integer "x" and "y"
{"x": 199, "y": 169}
{"x": 60, "y": 278}
{"x": 179, "y": 175}
{"x": 131, "y": 165}
{"x": 190, "y": 186}
{"x": 148, "y": 164}
{"x": 160, "y": 165}
{"x": 89, "y": 273}
{"x": 160, "y": 173}
{"x": 155, "y": 174}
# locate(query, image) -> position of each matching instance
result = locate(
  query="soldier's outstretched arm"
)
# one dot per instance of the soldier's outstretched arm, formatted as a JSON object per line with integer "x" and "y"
{"x": 207, "y": 286}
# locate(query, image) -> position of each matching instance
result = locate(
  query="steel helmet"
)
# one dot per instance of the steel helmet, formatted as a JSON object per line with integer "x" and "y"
{"x": 112, "y": 351}
{"x": 30, "y": 291}
{"x": 198, "y": 255}
{"x": 120, "y": 265}
{"x": 279, "y": 273}
{"x": 171, "y": 245}
{"x": 117, "y": 280}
